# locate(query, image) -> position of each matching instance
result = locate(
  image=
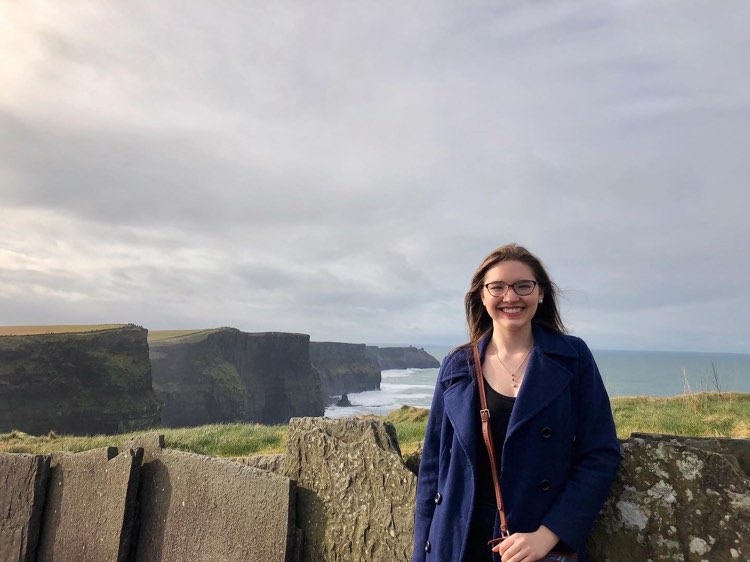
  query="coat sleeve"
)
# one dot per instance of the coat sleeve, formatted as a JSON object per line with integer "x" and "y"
{"x": 596, "y": 456}
{"x": 427, "y": 479}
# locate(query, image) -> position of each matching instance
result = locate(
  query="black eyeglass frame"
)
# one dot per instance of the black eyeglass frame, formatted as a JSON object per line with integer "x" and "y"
{"x": 511, "y": 286}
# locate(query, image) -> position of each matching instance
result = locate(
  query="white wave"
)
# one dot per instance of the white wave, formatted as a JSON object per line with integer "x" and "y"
{"x": 394, "y": 386}
{"x": 400, "y": 373}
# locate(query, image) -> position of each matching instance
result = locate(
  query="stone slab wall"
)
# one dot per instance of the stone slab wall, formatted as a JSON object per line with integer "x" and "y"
{"x": 344, "y": 484}
{"x": 89, "y": 507}
{"x": 200, "y": 508}
{"x": 23, "y": 485}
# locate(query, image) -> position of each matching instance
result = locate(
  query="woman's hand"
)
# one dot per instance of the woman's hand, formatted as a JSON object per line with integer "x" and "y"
{"x": 527, "y": 547}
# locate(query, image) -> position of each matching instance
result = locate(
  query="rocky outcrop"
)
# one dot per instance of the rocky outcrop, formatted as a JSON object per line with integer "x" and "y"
{"x": 226, "y": 375}
{"x": 355, "y": 497}
{"x": 81, "y": 383}
{"x": 344, "y": 367}
{"x": 676, "y": 498}
{"x": 402, "y": 357}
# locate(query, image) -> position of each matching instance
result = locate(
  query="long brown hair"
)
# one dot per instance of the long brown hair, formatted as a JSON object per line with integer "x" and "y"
{"x": 547, "y": 314}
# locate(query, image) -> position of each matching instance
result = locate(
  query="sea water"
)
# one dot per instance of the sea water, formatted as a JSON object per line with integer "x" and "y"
{"x": 625, "y": 373}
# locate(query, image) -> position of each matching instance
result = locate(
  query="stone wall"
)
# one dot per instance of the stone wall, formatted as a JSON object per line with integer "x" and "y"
{"x": 226, "y": 375}
{"x": 86, "y": 382}
{"x": 340, "y": 492}
{"x": 143, "y": 503}
{"x": 677, "y": 498}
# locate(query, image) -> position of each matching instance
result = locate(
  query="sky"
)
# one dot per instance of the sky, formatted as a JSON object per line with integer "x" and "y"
{"x": 340, "y": 169}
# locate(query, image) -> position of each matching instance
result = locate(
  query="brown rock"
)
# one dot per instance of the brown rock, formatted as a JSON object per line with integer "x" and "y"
{"x": 673, "y": 500}
{"x": 355, "y": 496}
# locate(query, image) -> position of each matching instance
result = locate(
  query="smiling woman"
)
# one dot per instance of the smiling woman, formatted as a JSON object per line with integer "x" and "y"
{"x": 536, "y": 396}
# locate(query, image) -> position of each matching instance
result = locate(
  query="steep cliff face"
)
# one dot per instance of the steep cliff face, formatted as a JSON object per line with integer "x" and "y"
{"x": 226, "y": 375}
{"x": 402, "y": 357}
{"x": 344, "y": 367}
{"x": 81, "y": 383}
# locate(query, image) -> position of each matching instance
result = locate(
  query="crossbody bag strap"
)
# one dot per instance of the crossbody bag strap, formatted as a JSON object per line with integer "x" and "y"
{"x": 487, "y": 434}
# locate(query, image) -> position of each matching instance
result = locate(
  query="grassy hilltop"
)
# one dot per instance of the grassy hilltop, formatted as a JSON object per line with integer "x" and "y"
{"x": 707, "y": 414}
{"x": 56, "y": 329}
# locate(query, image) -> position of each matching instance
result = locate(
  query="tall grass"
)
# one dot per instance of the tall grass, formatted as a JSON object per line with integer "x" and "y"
{"x": 692, "y": 414}
{"x": 223, "y": 440}
{"x": 701, "y": 414}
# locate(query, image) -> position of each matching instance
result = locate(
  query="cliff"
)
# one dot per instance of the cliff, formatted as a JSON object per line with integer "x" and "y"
{"x": 84, "y": 382}
{"x": 402, "y": 357}
{"x": 225, "y": 375}
{"x": 344, "y": 367}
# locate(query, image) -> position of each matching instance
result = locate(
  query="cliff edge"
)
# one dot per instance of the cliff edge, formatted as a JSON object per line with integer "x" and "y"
{"x": 344, "y": 367}
{"x": 402, "y": 357}
{"x": 77, "y": 382}
{"x": 225, "y": 375}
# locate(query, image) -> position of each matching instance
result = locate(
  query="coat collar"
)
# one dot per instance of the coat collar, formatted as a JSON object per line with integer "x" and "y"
{"x": 546, "y": 377}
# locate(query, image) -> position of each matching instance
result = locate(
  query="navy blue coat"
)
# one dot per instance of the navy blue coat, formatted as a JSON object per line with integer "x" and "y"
{"x": 559, "y": 457}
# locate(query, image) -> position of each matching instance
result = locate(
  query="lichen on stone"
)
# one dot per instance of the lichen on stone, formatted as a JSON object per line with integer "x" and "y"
{"x": 632, "y": 515}
{"x": 699, "y": 546}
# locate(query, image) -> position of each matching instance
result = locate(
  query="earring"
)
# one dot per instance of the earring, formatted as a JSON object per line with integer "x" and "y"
{"x": 540, "y": 301}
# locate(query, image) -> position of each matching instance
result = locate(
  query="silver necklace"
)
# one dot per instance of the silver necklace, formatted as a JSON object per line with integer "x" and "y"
{"x": 513, "y": 380}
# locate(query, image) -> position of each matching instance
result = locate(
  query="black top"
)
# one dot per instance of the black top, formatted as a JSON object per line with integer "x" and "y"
{"x": 500, "y": 407}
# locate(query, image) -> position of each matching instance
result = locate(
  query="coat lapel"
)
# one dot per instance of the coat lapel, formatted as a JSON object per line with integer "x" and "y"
{"x": 546, "y": 376}
{"x": 461, "y": 403}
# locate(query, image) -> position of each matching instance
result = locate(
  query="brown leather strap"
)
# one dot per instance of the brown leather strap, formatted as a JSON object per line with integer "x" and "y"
{"x": 487, "y": 434}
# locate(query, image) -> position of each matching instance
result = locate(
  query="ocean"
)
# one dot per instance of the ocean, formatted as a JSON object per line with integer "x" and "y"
{"x": 625, "y": 373}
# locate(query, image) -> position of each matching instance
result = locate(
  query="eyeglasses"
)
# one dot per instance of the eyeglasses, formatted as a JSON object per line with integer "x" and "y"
{"x": 522, "y": 288}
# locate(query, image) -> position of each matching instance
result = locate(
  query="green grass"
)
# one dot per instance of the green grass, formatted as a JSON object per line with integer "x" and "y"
{"x": 179, "y": 336}
{"x": 223, "y": 440}
{"x": 56, "y": 329}
{"x": 697, "y": 414}
{"x": 702, "y": 414}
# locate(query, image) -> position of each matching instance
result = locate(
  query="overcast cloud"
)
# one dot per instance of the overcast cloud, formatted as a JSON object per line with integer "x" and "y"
{"x": 341, "y": 168}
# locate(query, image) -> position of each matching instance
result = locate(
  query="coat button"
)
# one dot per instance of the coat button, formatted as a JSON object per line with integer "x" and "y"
{"x": 438, "y": 498}
{"x": 544, "y": 485}
{"x": 427, "y": 546}
{"x": 546, "y": 432}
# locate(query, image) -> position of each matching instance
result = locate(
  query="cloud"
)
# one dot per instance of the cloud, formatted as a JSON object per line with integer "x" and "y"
{"x": 341, "y": 169}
